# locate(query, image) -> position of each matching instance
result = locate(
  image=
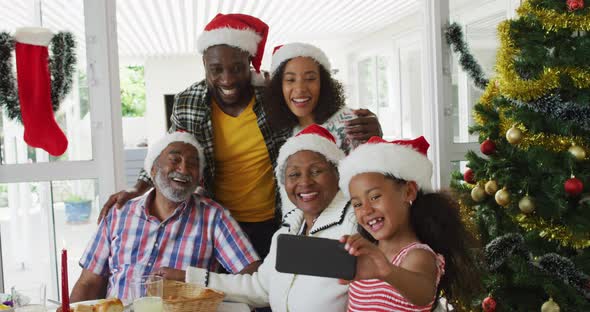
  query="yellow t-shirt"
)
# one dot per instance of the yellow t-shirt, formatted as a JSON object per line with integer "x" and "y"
{"x": 244, "y": 181}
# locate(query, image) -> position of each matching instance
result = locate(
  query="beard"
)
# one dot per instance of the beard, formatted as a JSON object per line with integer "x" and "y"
{"x": 172, "y": 193}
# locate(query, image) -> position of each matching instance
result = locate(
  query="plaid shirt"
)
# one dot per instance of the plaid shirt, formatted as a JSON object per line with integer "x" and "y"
{"x": 131, "y": 243}
{"x": 192, "y": 113}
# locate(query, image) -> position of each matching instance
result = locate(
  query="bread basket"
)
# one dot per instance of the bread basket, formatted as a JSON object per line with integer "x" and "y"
{"x": 184, "y": 297}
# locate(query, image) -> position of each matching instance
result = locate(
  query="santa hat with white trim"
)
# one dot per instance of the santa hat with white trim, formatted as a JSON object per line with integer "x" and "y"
{"x": 403, "y": 159}
{"x": 156, "y": 148}
{"x": 313, "y": 138}
{"x": 242, "y": 31}
{"x": 288, "y": 51}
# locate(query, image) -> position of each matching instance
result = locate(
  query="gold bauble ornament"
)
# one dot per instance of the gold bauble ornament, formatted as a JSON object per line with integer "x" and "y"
{"x": 526, "y": 205}
{"x": 478, "y": 194}
{"x": 491, "y": 187}
{"x": 513, "y": 135}
{"x": 502, "y": 197}
{"x": 578, "y": 152}
{"x": 550, "y": 306}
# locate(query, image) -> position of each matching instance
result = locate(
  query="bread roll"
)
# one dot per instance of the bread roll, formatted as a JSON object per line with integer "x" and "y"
{"x": 109, "y": 305}
{"x": 104, "y": 305}
{"x": 83, "y": 308}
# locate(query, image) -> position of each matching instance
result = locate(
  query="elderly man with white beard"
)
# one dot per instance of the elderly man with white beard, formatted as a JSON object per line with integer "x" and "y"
{"x": 170, "y": 226}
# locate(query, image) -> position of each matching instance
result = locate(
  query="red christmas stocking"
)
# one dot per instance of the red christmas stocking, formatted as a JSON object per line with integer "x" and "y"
{"x": 34, "y": 91}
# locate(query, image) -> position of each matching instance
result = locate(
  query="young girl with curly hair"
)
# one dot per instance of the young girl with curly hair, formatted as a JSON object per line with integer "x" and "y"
{"x": 412, "y": 245}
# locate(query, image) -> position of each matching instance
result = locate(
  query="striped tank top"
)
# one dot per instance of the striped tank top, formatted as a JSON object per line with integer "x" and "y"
{"x": 376, "y": 295}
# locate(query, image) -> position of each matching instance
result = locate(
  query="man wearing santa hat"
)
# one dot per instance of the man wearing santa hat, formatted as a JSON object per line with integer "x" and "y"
{"x": 169, "y": 226}
{"x": 224, "y": 112}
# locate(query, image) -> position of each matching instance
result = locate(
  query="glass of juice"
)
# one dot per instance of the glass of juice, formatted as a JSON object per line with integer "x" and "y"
{"x": 147, "y": 293}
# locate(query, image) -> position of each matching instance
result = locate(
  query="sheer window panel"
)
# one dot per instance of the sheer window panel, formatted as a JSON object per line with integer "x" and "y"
{"x": 479, "y": 20}
{"x": 75, "y": 209}
{"x": 387, "y": 110}
{"x": 26, "y": 235}
{"x": 376, "y": 92}
{"x": 411, "y": 90}
{"x": 367, "y": 84}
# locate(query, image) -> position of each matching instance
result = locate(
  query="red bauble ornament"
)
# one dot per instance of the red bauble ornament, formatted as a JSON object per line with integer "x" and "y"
{"x": 573, "y": 186}
{"x": 488, "y": 147}
{"x": 468, "y": 176}
{"x": 573, "y": 5}
{"x": 488, "y": 304}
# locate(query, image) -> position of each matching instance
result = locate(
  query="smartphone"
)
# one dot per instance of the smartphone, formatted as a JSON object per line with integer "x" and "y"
{"x": 314, "y": 256}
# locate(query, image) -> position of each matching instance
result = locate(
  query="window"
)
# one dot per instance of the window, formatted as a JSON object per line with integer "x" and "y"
{"x": 132, "y": 91}
{"x": 479, "y": 23}
{"x": 133, "y": 106}
{"x": 374, "y": 90}
{"x": 37, "y": 220}
{"x": 48, "y": 202}
{"x": 410, "y": 67}
{"x": 73, "y": 115}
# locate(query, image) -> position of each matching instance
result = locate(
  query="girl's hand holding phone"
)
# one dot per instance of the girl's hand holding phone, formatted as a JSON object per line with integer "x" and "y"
{"x": 371, "y": 261}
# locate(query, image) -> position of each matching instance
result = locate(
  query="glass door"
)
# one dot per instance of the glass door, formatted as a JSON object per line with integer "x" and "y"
{"x": 48, "y": 203}
{"x": 479, "y": 20}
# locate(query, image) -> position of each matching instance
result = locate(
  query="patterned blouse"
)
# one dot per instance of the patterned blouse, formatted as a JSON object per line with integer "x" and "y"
{"x": 335, "y": 125}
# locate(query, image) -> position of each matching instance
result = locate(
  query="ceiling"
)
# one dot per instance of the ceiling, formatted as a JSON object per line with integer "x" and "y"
{"x": 155, "y": 27}
{"x": 163, "y": 28}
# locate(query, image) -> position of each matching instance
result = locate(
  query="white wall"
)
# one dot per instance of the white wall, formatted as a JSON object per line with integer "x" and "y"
{"x": 336, "y": 51}
{"x": 167, "y": 75}
{"x": 134, "y": 133}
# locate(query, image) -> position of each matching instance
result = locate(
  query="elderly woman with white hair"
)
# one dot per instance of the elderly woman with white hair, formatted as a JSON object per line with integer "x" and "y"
{"x": 307, "y": 174}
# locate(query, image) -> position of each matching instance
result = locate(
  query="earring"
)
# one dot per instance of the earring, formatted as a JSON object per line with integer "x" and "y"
{"x": 411, "y": 202}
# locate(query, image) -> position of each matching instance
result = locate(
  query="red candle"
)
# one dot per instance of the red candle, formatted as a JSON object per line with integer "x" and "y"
{"x": 65, "y": 293}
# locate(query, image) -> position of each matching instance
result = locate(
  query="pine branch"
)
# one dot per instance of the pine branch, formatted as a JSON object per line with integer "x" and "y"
{"x": 454, "y": 36}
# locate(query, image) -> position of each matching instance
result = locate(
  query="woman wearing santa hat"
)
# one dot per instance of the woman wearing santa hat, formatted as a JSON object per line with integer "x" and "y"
{"x": 302, "y": 91}
{"x": 307, "y": 173}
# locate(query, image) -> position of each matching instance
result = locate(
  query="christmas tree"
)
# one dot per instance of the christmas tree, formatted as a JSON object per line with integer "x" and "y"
{"x": 527, "y": 197}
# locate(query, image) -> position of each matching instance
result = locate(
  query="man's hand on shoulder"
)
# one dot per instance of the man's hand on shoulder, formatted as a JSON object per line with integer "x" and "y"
{"x": 119, "y": 199}
{"x": 364, "y": 126}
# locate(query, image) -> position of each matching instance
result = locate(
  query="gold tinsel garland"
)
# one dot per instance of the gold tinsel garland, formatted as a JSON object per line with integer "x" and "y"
{"x": 510, "y": 84}
{"x": 546, "y": 229}
{"x": 551, "y": 20}
{"x": 468, "y": 218}
{"x": 552, "y": 232}
{"x": 513, "y": 86}
{"x": 555, "y": 143}
{"x": 551, "y": 142}
{"x": 486, "y": 99}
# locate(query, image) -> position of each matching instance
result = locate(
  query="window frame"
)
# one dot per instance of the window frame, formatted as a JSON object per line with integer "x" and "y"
{"x": 106, "y": 122}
